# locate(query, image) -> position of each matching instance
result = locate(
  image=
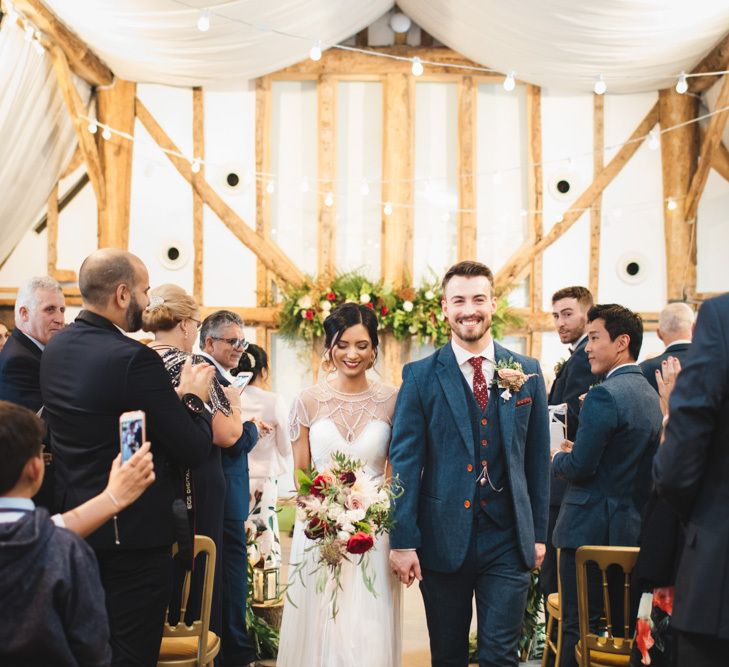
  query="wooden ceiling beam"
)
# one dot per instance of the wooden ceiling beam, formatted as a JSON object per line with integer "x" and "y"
{"x": 716, "y": 60}
{"x": 720, "y": 161}
{"x": 81, "y": 59}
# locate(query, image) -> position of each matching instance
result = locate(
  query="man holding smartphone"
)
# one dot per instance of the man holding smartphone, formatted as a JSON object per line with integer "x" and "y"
{"x": 91, "y": 373}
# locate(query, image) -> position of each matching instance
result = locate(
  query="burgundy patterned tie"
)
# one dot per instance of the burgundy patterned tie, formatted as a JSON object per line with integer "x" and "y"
{"x": 480, "y": 388}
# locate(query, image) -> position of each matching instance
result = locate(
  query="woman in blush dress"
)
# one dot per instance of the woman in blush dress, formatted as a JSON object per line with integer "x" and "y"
{"x": 269, "y": 458}
{"x": 344, "y": 412}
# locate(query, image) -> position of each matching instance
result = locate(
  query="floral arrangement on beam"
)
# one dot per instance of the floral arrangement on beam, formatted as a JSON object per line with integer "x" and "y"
{"x": 405, "y": 312}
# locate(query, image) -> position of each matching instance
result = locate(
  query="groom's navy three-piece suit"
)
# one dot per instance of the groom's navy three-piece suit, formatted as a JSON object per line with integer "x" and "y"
{"x": 471, "y": 538}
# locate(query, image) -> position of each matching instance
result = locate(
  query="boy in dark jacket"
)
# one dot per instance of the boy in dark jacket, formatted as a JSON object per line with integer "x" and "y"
{"x": 51, "y": 599}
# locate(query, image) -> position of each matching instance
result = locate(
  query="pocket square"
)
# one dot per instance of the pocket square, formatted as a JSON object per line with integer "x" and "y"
{"x": 523, "y": 401}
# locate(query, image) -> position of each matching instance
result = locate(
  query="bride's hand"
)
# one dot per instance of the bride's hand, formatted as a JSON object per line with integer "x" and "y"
{"x": 405, "y": 565}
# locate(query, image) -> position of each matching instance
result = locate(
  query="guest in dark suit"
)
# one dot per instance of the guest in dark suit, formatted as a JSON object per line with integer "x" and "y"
{"x": 675, "y": 329}
{"x": 223, "y": 343}
{"x": 574, "y": 377}
{"x": 691, "y": 471}
{"x": 39, "y": 314}
{"x": 91, "y": 373}
{"x": 474, "y": 469}
{"x": 620, "y": 425}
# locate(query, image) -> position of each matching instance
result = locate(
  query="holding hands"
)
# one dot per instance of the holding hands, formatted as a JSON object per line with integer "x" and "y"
{"x": 405, "y": 565}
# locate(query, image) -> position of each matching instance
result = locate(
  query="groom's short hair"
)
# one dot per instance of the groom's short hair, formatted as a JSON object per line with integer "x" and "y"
{"x": 468, "y": 269}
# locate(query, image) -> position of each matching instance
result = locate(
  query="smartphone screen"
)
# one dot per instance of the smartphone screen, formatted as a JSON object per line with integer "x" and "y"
{"x": 241, "y": 380}
{"x": 131, "y": 433}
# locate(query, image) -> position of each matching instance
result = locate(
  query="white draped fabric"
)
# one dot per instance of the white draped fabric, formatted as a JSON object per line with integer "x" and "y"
{"x": 638, "y": 45}
{"x": 36, "y": 134}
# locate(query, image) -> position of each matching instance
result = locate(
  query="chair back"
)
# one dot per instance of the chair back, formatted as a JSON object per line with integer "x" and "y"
{"x": 199, "y": 627}
{"x": 604, "y": 557}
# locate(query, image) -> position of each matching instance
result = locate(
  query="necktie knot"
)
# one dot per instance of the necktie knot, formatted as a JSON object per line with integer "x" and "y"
{"x": 476, "y": 362}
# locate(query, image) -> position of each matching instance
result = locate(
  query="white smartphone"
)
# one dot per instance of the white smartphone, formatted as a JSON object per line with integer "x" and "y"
{"x": 240, "y": 381}
{"x": 132, "y": 433}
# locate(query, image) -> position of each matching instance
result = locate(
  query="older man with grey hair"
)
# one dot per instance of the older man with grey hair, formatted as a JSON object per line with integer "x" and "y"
{"x": 39, "y": 314}
{"x": 675, "y": 329}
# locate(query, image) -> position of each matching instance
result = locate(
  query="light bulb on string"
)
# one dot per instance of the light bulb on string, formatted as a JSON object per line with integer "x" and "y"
{"x": 270, "y": 188}
{"x": 203, "y": 20}
{"x": 195, "y": 166}
{"x": 509, "y": 81}
{"x": 364, "y": 189}
{"x": 682, "y": 84}
{"x": 600, "y": 85}
{"x": 38, "y": 46}
{"x": 417, "y": 67}
{"x": 653, "y": 140}
{"x": 315, "y": 52}
{"x": 671, "y": 204}
{"x": 387, "y": 210}
{"x": 93, "y": 127}
{"x": 29, "y": 32}
{"x": 106, "y": 134}
{"x": 329, "y": 199}
{"x": 304, "y": 187}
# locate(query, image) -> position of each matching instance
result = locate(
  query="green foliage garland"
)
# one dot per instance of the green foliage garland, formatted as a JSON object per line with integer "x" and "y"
{"x": 405, "y": 312}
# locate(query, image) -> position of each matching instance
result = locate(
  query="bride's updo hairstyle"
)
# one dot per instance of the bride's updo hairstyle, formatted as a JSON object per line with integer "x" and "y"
{"x": 168, "y": 306}
{"x": 342, "y": 318}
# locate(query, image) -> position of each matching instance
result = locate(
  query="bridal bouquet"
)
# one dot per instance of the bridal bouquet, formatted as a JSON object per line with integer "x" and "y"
{"x": 343, "y": 509}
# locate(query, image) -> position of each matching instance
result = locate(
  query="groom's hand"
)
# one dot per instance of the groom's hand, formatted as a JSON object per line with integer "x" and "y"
{"x": 405, "y": 566}
{"x": 539, "y": 550}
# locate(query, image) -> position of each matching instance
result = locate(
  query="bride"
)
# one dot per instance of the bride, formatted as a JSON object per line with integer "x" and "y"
{"x": 345, "y": 412}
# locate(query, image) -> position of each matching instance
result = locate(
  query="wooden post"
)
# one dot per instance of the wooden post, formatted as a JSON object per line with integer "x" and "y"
{"x": 535, "y": 204}
{"x": 398, "y": 149}
{"x": 598, "y": 145}
{"x": 198, "y": 149}
{"x": 467, "y": 165}
{"x": 679, "y": 151}
{"x": 115, "y": 108}
{"x": 52, "y": 230}
{"x": 263, "y": 164}
{"x": 327, "y": 172}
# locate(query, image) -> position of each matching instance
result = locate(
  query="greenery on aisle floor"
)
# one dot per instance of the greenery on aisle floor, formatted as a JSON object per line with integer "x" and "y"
{"x": 405, "y": 312}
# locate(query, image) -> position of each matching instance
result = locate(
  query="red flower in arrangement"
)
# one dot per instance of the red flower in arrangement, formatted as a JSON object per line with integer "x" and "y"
{"x": 348, "y": 478}
{"x": 319, "y": 485}
{"x": 331, "y": 296}
{"x": 316, "y": 528}
{"x": 644, "y": 639}
{"x": 309, "y": 314}
{"x": 384, "y": 310}
{"x": 359, "y": 543}
{"x": 370, "y": 305}
{"x": 663, "y": 599}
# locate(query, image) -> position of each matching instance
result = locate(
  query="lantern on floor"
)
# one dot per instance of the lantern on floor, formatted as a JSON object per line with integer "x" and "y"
{"x": 266, "y": 583}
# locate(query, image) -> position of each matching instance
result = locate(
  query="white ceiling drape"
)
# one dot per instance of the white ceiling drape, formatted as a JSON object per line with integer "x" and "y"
{"x": 36, "y": 134}
{"x": 637, "y": 45}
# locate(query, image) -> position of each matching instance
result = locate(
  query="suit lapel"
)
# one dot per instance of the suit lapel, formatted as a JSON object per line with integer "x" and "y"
{"x": 450, "y": 378}
{"x": 505, "y": 408}
{"x": 26, "y": 342}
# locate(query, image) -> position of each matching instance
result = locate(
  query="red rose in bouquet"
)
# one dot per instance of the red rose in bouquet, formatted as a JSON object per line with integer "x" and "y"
{"x": 319, "y": 485}
{"x": 348, "y": 478}
{"x": 359, "y": 543}
{"x": 316, "y": 528}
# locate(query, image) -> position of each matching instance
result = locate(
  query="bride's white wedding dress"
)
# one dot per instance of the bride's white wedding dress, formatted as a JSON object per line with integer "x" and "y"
{"x": 366, "y": 630}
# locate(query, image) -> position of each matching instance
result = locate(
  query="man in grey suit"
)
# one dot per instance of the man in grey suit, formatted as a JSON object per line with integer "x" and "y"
{"x": 608, "y": 466}
{"x": 675, "y": 329}
{"x": 691, "y": 471}
{"x": 472, "y": 457}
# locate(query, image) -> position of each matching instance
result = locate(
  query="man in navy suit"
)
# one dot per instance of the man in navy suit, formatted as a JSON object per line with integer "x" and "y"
{"x": 223, "y": 343}
{"x": 569, "y": 309}
{"x": 472, "y": 457}
{"x": 675, "y": 329}
{"x": 691, "y": 471}
{"x": 608, "y": 465}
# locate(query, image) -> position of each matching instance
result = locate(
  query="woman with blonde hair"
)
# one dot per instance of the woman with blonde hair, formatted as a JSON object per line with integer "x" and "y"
{"x": 173, "y": 317}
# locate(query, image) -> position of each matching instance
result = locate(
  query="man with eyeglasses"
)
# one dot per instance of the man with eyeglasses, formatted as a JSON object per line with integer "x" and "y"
{"x": 222, "y": 342}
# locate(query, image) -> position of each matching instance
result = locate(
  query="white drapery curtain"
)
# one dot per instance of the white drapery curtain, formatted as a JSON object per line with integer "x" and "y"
{"x": 36, "y": 135}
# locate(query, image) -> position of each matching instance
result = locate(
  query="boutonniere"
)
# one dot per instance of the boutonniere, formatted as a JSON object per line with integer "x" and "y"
{"x": 559, "y": 366}
{"x": 581, "y": 397}
{"x": 510, "y": 376}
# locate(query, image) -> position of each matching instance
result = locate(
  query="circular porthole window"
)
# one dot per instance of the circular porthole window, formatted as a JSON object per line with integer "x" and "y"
{"x": 231, "y": 177}
{"x": 633, "y": 268}
{"x": 562, "y": 185}
{"x": 173, "y": 255}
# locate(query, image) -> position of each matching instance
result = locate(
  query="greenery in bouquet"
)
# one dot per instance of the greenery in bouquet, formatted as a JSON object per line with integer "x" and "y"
{"x": 406, "y": 312}
{"x": 342, "y": 509}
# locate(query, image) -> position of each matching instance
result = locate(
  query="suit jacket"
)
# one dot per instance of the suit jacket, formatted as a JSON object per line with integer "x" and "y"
{"x": 235, "y": 467}
{"x": 20, "y": 371}
{"x": 90, "y": 374}
{"x": 650, "y": 366}
{"x": 573, "y": 380}
{"x": 432, "y": 454}
{"x": 608, "y": 469}
{"x": 691, "y": 471}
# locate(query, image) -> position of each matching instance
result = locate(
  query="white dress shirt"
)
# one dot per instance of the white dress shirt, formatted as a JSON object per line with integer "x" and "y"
{"x": 632, "y": 363}
{"x": 488, "y": 364}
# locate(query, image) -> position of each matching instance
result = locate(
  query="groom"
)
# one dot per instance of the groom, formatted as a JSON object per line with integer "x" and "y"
{"x": 472, "y": 456}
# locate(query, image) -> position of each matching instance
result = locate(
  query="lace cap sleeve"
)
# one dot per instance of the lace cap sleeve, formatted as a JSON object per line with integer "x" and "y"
{"x": 299, "y": 416}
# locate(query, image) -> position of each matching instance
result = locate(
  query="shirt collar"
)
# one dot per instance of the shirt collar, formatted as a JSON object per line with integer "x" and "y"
{"x": 36, "y": 342}
{"x": 632, "y": 363}
{"x": 678, "y": 342}
{"x": 223, "y": 372}
{"x": 14, "y": 503}
{"x": 462, "y": 355}
{"x": 576, "y": 344}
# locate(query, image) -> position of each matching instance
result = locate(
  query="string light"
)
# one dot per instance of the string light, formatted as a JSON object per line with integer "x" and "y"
{"x": 364, "y": 189}
{"x": 270, "y": 188}
{"x": 510, "y": 81}
{"x": 106, "y": 134}
{"x": 329, "y": 199}
{"x": 653, "y": 140}
{"x": 417, "y": 67}
{"x": 195, "y": 166}
{"x": 304, "y": 187}
{"x": 203, "y": 20}
{"x": 92, "y": 127}
{"x": 37, "y": 45}
{"x": 387, "y": 210}
{"x": 672, "y": 205}
{"x": 600, "y": 85}
{"x": 29, "y": 32}
{"x": 315, "y": 52}
{"x": 681, "y": 84}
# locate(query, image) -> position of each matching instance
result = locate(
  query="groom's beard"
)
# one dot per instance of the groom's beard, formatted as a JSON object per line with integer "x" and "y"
{"x": 471, "y": 334}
